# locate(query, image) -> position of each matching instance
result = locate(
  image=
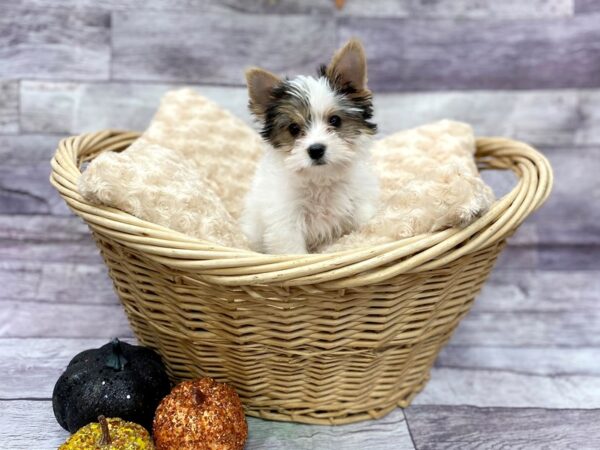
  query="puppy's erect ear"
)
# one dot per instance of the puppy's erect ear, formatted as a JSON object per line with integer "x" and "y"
{"x": 260, "y": 85}
{"x": 349, "y": 66}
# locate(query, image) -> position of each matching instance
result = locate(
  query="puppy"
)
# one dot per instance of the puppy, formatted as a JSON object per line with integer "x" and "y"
{"x": 314, "y": 182}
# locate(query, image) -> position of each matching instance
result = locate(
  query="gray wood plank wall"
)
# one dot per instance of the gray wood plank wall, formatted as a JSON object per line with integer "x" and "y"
{"x": 529, "y": 70}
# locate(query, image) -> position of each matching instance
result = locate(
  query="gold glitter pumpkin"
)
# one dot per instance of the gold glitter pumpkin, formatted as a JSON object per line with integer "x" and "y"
{"x": 201, "y": 414}
{"x": 110, "y": 434}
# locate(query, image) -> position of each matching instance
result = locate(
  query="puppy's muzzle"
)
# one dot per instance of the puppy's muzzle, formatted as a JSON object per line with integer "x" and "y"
{"x": 316, "y": 151}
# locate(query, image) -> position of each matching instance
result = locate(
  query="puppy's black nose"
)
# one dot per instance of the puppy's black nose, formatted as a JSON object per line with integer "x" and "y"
{"x": 316, "y": 151}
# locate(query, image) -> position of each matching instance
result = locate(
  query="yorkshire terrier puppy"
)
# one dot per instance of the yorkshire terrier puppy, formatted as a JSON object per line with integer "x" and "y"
{"x": 314, "y": 182}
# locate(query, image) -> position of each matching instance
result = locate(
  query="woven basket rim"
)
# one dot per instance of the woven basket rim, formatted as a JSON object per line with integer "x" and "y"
{"x": 365, "y": 265}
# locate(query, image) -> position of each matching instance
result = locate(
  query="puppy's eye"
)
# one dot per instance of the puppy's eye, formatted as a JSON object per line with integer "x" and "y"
{"x": 335, "y": 121}
{"x": 294, "y": 129}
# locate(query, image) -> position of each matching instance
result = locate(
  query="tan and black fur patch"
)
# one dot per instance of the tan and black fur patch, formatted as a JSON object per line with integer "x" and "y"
{"x": 287, "y": 105}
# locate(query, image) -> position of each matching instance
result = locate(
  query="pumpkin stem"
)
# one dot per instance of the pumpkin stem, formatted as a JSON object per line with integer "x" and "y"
{"x": 106, "y": 440}
{"x": 199, "y": 397}
{"x": 116, "y": 360}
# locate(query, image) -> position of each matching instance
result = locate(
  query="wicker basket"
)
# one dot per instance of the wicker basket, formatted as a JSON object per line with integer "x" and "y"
{"x": 322, "y": 338}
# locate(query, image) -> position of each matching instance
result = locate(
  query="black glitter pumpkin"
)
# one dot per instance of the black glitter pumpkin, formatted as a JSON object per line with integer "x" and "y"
{"x": 115, "y": 380}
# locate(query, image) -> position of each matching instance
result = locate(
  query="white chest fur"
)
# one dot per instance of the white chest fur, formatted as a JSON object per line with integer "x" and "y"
{"x": 326, "y": 212}
{"x": 284, "y": 214}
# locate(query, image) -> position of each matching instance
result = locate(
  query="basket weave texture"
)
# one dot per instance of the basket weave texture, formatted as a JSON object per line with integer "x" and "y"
{"x": 321, "y": 338}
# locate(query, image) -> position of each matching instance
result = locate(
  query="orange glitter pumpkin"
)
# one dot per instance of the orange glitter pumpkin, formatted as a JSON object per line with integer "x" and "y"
{"x": 201, "y": 414}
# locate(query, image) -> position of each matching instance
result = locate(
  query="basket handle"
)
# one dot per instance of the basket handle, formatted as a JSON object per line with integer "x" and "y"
{"x": 496, "y": 153}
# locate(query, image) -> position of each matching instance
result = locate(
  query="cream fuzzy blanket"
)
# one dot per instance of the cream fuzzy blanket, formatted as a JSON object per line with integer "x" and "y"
{"x": 192, "y": 167}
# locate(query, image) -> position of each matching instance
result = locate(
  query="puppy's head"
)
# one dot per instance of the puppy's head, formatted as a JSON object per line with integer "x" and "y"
{"x": 318, "y": 125}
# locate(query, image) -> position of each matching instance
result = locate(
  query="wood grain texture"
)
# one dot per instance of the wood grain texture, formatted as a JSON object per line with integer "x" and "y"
{"x": 550, "y": 117}
{"x": 569, "y": 217}
{"x": 31, "y": 424}
{"x": 31, "y": 366}
{"x": 538, "y": 290}
{"x": 466, "y": 427}
{"x": 387, "y": 433}
{"x": 28, "y": 425}
{"x": 476, "y": 9}
{"x": 540, "y": 117}
{"x": 529, "y": 328}
{"x": 518, "y": 257}
{"x": 541, "y": 361}
{"x": 550, "y": 257}
{"x": 9, "y": 106}
{"x": 19, "y": 149}
{"x": 215, "y": 48}
{"x": 49, "y": 106}
{"x": 20, "y": 318}
{"x": 54, "y": 43}
{"x": 46, "y": 238}
{"x": 478, "y": 54}
{"x": 56, "y": 282}
{"x": 48, "y": 249}
{"x": 26, "y": 229}
{"x": 473, "y": 9}
{"x": 218, "y": 6}
{"x": 491, "y": 388}
{"x": 561, "y": 257}
{"x": 25, "y": 189}
{"x": 587, "y": 6}
{"x": 72, "y": 108}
